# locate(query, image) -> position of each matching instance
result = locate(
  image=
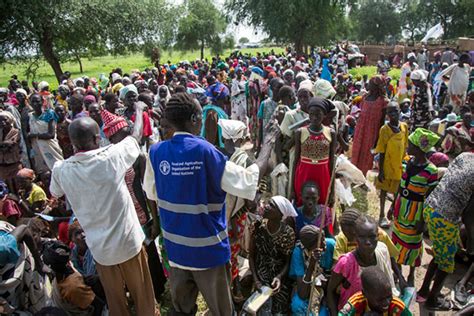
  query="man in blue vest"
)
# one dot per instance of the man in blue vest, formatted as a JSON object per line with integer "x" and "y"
{"x": 189, "y": 178}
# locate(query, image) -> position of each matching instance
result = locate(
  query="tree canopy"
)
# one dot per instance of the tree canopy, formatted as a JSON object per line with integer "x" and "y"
{"x": 303, "y": 22}
{"x": 59, "y": 30}
{"x": 201, "y": 25}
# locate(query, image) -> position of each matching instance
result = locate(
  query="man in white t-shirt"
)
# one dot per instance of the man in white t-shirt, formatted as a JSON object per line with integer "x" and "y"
{"x": 93, "y": 180}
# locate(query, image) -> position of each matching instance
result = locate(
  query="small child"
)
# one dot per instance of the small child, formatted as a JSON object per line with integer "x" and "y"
{"x": 376, "y": 297}
{"x": 346, "y": 239}
{"x": 418, "y": 179}
{"x": 391, "y": 146}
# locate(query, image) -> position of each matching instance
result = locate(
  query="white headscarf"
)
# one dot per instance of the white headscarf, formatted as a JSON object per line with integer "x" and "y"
{"x": 284, "y": 206}
{"x": 42, "y": 85}
{"x": 232, "y": 129}
{"x": 418, "y": 74}
{"x": 323, "y": 88}
{"x": 307, "y": 85}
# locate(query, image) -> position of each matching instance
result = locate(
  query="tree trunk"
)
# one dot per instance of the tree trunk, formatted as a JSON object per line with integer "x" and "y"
{"x": 299, "y": 46}
{"x": 79, "y": 61}
{"x": 202, "y": 50}
{"x": 46, "y": 47}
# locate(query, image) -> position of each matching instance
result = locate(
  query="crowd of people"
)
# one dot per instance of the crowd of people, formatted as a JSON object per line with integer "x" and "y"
{"x": 223, "y": 177}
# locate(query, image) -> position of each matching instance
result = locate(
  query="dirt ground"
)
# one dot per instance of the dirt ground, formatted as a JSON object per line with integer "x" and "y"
{"x": 368, "y": 202}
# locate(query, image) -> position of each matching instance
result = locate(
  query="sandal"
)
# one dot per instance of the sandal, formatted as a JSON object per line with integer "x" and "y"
{"x": 442, "y": 304}
{"x": 420, "y": 299}
{"x": 384, "y": 223}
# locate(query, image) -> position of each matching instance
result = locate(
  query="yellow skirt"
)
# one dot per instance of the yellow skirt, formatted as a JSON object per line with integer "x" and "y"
{"x": 388, "y": 185}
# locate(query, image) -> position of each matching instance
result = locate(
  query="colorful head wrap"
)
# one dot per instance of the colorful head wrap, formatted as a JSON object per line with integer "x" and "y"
{"x": 9, "y": 252}
{"x": 439, "y": 159}
{"x": 89, "y": 99}
{"x": 117, "y": 87}
{"x": 26, "y": 173}
{"x": 221, "y": 65}
{"x": 112, "y": 123}
{"x": 125, "y": 90}
{"x": 217, "y": 91}
{"x": 378, "y": 83}
{"x": 423, "y": 139}
{"x": 257, "y": 70}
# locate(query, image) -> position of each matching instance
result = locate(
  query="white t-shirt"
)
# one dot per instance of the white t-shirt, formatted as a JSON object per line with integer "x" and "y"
{"x": 94, "y": 183}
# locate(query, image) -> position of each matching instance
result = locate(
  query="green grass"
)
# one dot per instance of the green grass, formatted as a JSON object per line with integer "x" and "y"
{"x": 94, "y": 66}
{"x": 372, "y": 70}
{"x": 104, "y": 64}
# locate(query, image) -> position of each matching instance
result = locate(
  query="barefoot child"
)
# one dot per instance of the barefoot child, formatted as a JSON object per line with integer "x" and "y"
{"x": 391, "y": 145}
{"x": 418, "y": 179}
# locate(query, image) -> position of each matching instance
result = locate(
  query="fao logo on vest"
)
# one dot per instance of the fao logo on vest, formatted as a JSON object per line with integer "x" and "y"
{"x": 165, "y": 167}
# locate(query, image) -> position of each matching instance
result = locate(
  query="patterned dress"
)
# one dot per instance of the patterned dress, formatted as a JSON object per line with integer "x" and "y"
{"x": 421, "y": 107}
{"x": 314, "y": 163}
{"x": 366, "y": 133}
{"x": 270, "y": 258}
{"x": 416, "y": 182}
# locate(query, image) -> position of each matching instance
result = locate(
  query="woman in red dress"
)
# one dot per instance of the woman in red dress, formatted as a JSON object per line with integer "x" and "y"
{"x": 370, "y": 121}
{"x": 315, "y": 147}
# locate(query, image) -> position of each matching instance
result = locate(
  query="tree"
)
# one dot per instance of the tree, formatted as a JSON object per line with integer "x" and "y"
{"x": 243, "y": 40}
{"x": 376, "y": 19}
{"x": 201, "y": 26}
{"x": 302, "y": 22}
{"x": 228, "y": 42}
{"x": 60, "y": 30}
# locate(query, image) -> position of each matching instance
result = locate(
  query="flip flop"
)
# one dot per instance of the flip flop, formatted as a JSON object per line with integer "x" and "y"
{"x": 420, "y": 299}
{"x": 384, "y": 223}
{"x": 442, "y": 304}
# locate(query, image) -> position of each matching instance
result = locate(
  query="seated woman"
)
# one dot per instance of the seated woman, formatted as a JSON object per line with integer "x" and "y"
{"x": 32, "y": 197}
{"x": 271, "y": 244}
{"x": 69, "y": 289}
{"x": 310, "y": 214}
{"x": 303, "y": 262}
{"x": 346, "y": 272}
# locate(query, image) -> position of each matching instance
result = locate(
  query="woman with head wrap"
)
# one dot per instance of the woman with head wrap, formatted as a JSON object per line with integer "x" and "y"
{"x": 371, "y": 119}
{"x": 43, "y": 135}
{"x": 233, "y": 133}
{"x": 218, "y": 94}
{"x": 323, "y": 88}
{"x": 422, "y": 103}
{"x": 404, "y": 82}
{"x": 419, "y": 177}
{"x": 33, "y": 199}
{"x": 10, "y": 159}
{"x": 315, "y": 147}
{"x": 63, "y": 94}
{"x": 271, "y": 245}
{"x": 129, "y": 97}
